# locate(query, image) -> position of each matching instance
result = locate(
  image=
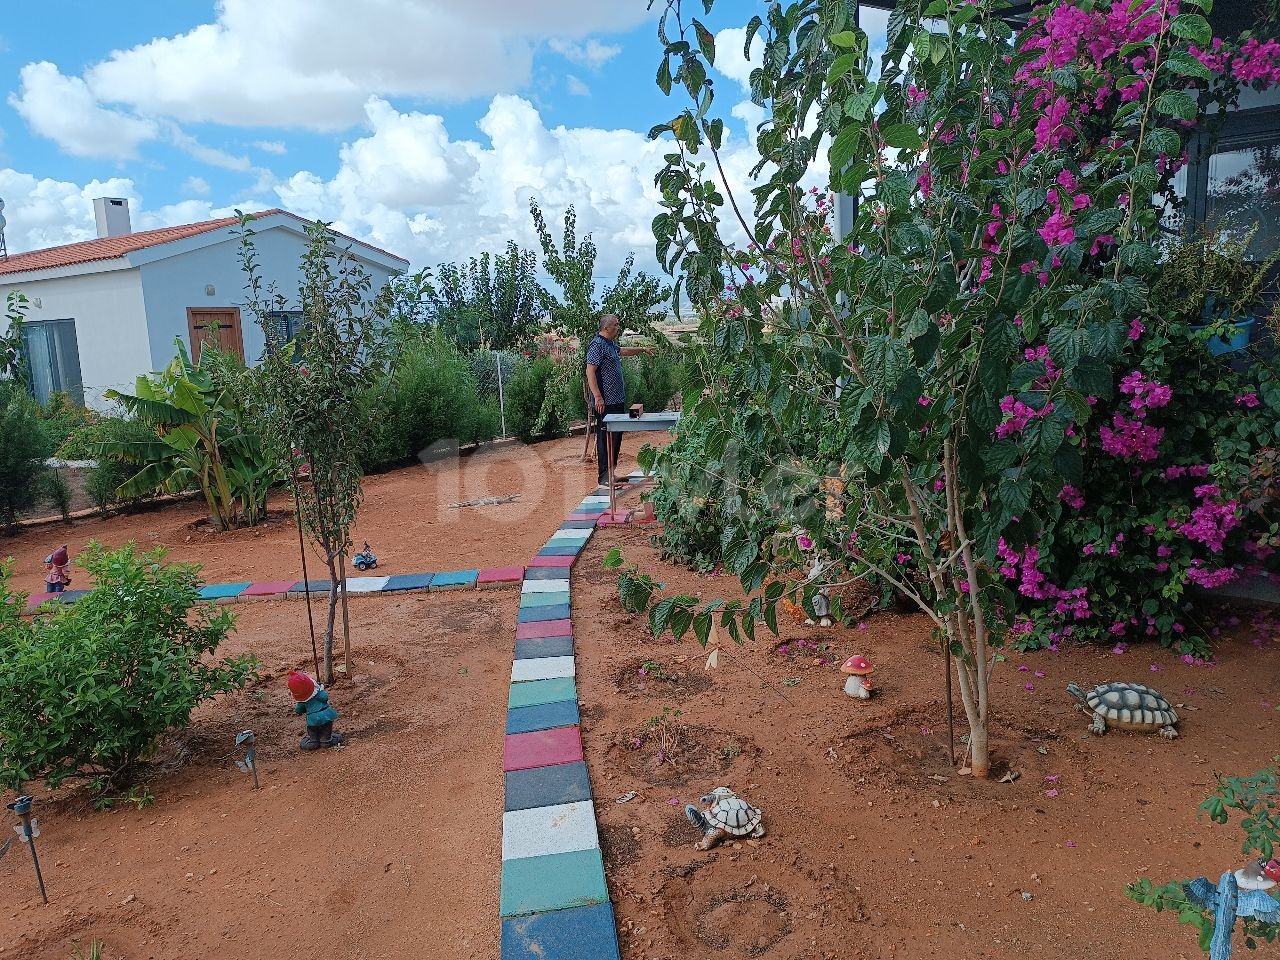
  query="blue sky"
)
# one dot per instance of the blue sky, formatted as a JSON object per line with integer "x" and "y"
{"x": 421, "y": 125}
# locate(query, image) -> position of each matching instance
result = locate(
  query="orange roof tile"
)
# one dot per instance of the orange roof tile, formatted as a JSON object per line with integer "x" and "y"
{"x": 108, "y": 248}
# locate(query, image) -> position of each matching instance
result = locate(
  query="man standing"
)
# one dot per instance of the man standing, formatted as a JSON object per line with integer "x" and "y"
{"x": 607, "y": 389}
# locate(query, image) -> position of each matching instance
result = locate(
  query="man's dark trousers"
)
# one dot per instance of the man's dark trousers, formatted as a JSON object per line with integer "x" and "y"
{"x": 604, "y": 439}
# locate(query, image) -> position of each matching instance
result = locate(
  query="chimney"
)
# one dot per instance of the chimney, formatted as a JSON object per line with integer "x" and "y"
{"x": 112, "y": 215}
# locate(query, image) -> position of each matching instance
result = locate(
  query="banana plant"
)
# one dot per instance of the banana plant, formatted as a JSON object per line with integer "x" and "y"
{"x": 200, "y": 441}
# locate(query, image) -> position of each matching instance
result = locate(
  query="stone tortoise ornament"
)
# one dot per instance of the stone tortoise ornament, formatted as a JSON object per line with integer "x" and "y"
{"x": 1127, "y": 706}
{"x": 725, "y": 814}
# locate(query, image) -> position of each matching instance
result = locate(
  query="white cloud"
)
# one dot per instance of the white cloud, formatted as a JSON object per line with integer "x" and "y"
{"x": 729, "y": 58}
{"x": 592, "y": 54}
{"x": 205, "y": 154}
{"x": 197, "y": 185}
{"x": 66, "y": 111}
{"x": 271, "y": 146}
{"x": 576, "y": 86}
{"x": 298, "y": 63}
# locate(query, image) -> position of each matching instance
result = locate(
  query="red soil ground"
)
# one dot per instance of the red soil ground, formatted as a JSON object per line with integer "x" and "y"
{"x": 390, "y": 847}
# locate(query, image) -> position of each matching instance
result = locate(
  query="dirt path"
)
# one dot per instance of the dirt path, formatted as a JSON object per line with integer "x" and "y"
{"x": 406, "y": 517}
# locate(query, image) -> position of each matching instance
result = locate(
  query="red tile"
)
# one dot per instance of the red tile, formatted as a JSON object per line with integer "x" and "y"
{"x": 496, "y": 575}
{"x": 36, "y": 599}
{"x": 615, "y": 519}
{"x": 542, "y": 748}
{"x": 269, "y": 589}
{"x": 583, "y": 516}
{"x": 552, "y": 561}
{"x": 544, "y": 628}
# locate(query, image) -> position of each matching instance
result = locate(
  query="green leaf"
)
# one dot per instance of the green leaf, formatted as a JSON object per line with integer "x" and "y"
{"x": 664, "y": 76}
{"x": 706, "y": 41}
{"x": 845, "y": 38}
{"x": 841, "y": 66}
{"x": 903, "y": 136}
{"x": 843, "y": 147}
{"x": 1192, "y": 26}
{"x": 1175, "y": 103}
{"x": 612, "y": 559}
{"x": 1185, "y": 65}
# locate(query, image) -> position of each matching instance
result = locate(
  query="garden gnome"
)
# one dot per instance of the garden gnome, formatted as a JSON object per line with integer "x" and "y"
{"x": 311, "y": 699}
{"x": 858, "y": 684}
{"x": 56, "y": 577}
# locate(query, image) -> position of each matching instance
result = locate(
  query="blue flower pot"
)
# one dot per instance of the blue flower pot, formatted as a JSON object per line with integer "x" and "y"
{"x": 1242, "y": 331}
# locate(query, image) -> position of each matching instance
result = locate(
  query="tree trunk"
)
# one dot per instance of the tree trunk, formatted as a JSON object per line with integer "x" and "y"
{"x": 335, "y": 583}
{"x": 980, "y": 759}
{"x": 346, "y": 620}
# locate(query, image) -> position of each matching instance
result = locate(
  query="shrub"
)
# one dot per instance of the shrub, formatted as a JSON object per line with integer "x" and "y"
{"x": 429, "y": 395}
{"x": 532, "y": 412}
{"x": 103, "y": 482}
{"x": 89, "y": 688}
{"x": 61, "y": 418}
{"x": 652, "y": 379}
{"x": 22, "y": 452}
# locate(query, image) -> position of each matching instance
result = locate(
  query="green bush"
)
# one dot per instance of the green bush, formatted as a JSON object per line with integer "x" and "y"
{"x": 61, "y": 418}
{"x": 23, "y": 450}
{"x": 103, "y": 482}
{"x": 429, "y": 395}
{"x": 652, "y": 379}
{"x": 89, "y": 688}
{"x": 529, "y": 414}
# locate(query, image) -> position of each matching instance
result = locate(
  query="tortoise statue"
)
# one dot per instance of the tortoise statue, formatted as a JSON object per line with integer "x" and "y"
{"x": 1127, "y": 706}
{"x": 725, "y": 814}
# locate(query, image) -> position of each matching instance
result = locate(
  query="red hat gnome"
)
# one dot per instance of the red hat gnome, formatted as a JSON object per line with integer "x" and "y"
{"x": 311, "y": 699}
{"x": 56, "y": 577}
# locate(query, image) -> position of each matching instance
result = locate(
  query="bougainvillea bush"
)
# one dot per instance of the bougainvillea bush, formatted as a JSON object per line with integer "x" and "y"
{"x": 943, "y": 348}
{"x": 1170, "y": 499}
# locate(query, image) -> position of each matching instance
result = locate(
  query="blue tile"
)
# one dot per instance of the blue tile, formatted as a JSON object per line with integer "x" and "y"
{"x": 546, "y": 573}
{"x": 454, "y": 580}
{"x": 311, "y": 586}
{"x": 544, "y": 647}
{"x": 408, "y": 581}
{"x": 536, "y": 614}
{"x": 542, "y": 717}
{"x": 578, "y": 525}
{"x": 546, "y": 786}
{"x": 222, "y": 591}
{"x": 581, "y": 933}
{"x": 558, "y": 551}
{"x": 550, "y": 598}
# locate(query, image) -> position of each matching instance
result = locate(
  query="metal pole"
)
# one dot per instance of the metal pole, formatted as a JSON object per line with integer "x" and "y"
{"x": 28, "y": 832}
{"x": 502, "y": 403}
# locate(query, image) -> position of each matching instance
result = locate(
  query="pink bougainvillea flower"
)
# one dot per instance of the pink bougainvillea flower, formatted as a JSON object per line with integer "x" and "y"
{"x": 862, "y": 625}
{"x": 1155, "y": 668}
{"x": 926, "y": 731}
{"x": 1028, "y": 686}
{"x": 1120, "y": 648}
{"x": 674, "y": 801}
{"x": 1051, "y": 792}
{"x": 1071, "y": 843}
{"x": 1023, "y": 668}
{"x": 804, "y": 541}
{"x": 1040, "y": 674}
{"x": 1052, "y": 778}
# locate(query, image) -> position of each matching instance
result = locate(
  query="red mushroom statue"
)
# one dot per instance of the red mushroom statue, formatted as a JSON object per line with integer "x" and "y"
{"x": 858, "y": 683}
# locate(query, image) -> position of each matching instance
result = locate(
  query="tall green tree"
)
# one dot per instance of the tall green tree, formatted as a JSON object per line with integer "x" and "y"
{"x": 493, "y": 300}
{"x": 308, "y": 396}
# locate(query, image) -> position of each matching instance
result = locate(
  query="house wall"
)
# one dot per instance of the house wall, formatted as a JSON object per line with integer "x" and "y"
{"x": 110, "y": 321}
{"x": 173, "y": 284}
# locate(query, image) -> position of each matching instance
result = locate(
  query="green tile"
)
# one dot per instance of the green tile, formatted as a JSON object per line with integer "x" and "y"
{"x": 552, "y": 598}
{"x": 533, "y": 692}
{"x": 554, "y": 882}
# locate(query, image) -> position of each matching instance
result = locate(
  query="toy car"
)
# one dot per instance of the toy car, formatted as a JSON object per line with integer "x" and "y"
{"x": 365, "y": 559}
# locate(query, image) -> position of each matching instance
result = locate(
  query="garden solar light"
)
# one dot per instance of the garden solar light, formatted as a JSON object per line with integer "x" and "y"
{"x": 28, "y": 830}
{"x": 249, "y": 763}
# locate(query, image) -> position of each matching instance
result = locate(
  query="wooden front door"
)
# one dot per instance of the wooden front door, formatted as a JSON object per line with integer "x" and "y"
{"x": 220, "y": 326}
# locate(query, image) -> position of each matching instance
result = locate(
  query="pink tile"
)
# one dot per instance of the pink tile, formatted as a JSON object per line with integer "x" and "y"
{"x": 544, "y": 628}
{"x": 542, "y": 748}
{"x": 565, "y": 562}
{"x": 583, "y": 516}
{"x": 497, "y": 575}
{"x": 269, "y": 589}
{"x": 36, "y": 599}
{"x": 615, "y": 519}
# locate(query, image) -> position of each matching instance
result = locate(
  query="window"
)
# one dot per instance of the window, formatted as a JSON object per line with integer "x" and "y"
{"x": 53, "y": 359}
{"x": 288, "y": 322}
{"x": 1234, "y": 183}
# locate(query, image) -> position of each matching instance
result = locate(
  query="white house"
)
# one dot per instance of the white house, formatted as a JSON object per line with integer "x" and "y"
{"x": 106, "y": 310}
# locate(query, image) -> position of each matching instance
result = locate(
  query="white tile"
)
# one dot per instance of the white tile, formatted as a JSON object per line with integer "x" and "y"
{"x": 366, "y": 584}
{"x": 591, "y": 501}
{"x": 572, "y": 534}
{"x": 563, "y": 828}
{"x": 544, "y": 586}
{"x": 541, "y": 668}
